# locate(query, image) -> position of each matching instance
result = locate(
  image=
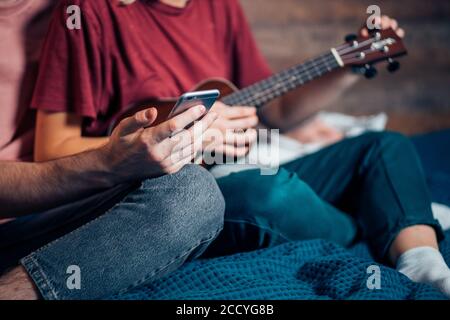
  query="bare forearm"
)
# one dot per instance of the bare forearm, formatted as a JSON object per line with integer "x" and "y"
{"x": 27, "y": 188}
{"x": 68, "y": 147}
{"x": 292, "y": 109}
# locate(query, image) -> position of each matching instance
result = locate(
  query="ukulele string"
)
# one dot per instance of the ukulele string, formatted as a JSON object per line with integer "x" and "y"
{"x": 269, "y": 90}
{"x": 283, "y": 73}
{"x": 352, "y": 48}
{"x": 266, "y": 89}
{"x": 354, "y": 58}
{"x": 292, "y": 74}
{"x": 286, "y": 76}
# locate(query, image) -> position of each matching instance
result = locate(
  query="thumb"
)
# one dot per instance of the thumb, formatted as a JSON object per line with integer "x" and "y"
{"x": 142, "y": 119}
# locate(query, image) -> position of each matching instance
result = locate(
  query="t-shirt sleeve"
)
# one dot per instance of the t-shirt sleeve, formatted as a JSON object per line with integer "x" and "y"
{"x": 249, "y": 64}
{"x": 70, "y": 69}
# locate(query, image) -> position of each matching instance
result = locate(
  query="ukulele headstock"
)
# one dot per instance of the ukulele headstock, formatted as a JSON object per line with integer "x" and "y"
{"x": 362, "y": 52}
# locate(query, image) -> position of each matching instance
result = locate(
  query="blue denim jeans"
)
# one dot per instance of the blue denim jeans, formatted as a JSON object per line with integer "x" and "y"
{"x": 368, "y": 187}
{"x": 434, "y": 152}
{"x": 119, "y": 238}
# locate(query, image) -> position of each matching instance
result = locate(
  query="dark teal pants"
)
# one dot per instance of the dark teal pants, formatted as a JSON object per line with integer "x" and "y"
{"x": 369, "y": 187}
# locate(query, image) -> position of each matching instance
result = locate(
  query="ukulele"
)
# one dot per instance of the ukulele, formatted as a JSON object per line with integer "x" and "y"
{"x": 360, "y": 53}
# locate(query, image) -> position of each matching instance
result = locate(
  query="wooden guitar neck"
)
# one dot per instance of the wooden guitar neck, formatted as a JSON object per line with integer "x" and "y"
{"x": 277, "y": 85}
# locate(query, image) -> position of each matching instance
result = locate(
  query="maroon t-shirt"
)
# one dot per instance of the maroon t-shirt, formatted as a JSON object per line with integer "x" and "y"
{"x": 126, "y": 54}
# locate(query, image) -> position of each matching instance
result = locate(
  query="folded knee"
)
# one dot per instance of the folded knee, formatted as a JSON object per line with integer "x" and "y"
{"x": 268, "y": 194}
{"x": 203, "y": 201}
{"x": 192, "y": 206}
{"x": 201, "y": 190}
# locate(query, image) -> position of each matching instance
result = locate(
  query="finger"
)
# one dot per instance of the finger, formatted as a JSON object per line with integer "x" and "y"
{"x": 199, "y": 128}
{"x": 239, "y": 112}
{"x": 394, "y": 24}
{"x": 231, "y": 151}
{"x": 242, "y": 123}
{"x": 175, "y": 157}
{"x": 365, "y": 32}
{"x": 385, "y": 22}
{"x": 241, "y": 139}
{"x": 179, "y": 165}
{"x": 185, "y": 138}
{"x": 177, "y": 123}
{"x": 218, "y": 105}
{"x": 193, "y": 134}
{"x": 142, "y": 119}
{"x": 401, "y": 33}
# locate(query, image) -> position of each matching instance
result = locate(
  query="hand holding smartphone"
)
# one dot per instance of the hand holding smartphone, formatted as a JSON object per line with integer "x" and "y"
{"x": 191, "y": 99}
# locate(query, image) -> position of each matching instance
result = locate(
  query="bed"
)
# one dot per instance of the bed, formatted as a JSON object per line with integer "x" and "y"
{"x": 313, "y": 269}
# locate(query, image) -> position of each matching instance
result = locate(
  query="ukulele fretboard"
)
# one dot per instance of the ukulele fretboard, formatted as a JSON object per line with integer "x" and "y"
{"x": 266, "y": 90}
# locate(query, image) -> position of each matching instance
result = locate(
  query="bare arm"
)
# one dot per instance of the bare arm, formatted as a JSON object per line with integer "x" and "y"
{"x": 31, "y": 187}
{"x": 134, "y": 152}
{"x": 58, "y": 134}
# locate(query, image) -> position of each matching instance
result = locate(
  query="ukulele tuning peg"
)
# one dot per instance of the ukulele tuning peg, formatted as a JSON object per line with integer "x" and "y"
{"x": 350, "y": 38}
{"x": 393, "y": 65}
{"x": 374, "y": 31}
{"x": 370, "y": 72}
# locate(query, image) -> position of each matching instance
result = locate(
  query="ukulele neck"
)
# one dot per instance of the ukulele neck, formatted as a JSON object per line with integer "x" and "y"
{"x": 275, "y": 86}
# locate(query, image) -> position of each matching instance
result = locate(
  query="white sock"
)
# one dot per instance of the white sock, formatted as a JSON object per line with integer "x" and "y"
{"x": 426, "y": 265}
{"x": 442, "y": 214}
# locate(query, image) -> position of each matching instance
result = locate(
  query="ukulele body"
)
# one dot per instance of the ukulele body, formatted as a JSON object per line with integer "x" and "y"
{"x": 165, "y": 105}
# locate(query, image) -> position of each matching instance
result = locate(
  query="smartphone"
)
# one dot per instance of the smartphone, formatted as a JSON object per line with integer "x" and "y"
{"x": 191, "y": 99}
